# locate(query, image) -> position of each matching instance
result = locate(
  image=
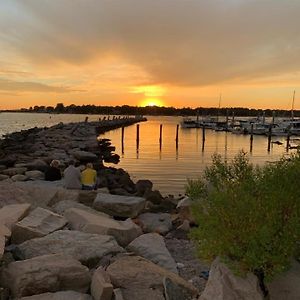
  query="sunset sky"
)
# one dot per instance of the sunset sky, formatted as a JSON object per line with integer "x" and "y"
{"x": 146, "y": 52}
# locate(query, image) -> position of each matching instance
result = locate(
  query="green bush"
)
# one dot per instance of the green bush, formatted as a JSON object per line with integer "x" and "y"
{"x": 249, "y": 216}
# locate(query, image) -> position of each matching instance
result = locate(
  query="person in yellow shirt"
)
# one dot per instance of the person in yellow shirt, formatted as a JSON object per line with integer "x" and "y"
{"x": 89, "y": 177}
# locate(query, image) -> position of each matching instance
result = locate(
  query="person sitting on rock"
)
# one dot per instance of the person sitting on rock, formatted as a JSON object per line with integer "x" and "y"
{"x": 72, "y": 177}
{"x": 53, "y": 172}
{"x": 89, "y": 177}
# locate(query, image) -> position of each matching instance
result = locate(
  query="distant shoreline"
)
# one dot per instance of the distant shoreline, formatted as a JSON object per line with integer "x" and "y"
{"x": 154, "y": 111}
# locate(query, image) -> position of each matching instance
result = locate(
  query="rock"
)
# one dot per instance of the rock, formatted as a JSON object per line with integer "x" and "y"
{"x": 38, "y": 223}
{"x": 84, "y": 156}
{"x": 47, "y": 273}
{"x": 19, "y": 177}
{"x": 65, "y": 295}
{"x": 173, "y": 291}
{"x": 35, "y": 175}
{"x": 14, "y": 171}
{"x": 4, "y": 231}
{"x": 11, "y": 193}
{"x": 117, "y": 294}
{"x": 64, "y": 205}
{"x": 86, "y": 247}
{"x": 2, "y": 245}
{"x": 185, "y": 226}
{"x": 37, "y": 164}
{"x": 143, "y": 186}
{"x": 119, "y": 206}
{"x": 119, "y": 191}
{"x": 3, "y": 177}
{"x": 11, "y": 214}
{"x": 184, "y": 209}
{"x": 87, "y": 197}
{"x": 142, "y": 279}
{"x": 101, "y": 287}
{"x": 123, "y": 231}
{"x": 153, "y": 196}
{"x": 152, "y": 247}
{"x": 223, "y": 284}
{"x": 160, "y": 223}
{"x": 286, "y": 285}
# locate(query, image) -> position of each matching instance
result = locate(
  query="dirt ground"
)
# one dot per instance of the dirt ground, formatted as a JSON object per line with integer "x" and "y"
{"x": 184, "y": 253}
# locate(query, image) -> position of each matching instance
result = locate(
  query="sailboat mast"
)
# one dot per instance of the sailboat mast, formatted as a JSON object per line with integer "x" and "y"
{"x": 292, "y": 112}
{"x": 219, "y": 107}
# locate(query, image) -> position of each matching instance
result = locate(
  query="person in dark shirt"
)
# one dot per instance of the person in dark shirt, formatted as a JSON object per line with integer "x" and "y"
{"x": 53, "y": 173}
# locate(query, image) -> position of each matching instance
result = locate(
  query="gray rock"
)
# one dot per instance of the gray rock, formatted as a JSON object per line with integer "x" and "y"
{"x": 223, "y": 284}
{"x": 3, "y": 177}
{"x": 118, "y": 295}
{"x": 120, "y": 206}
{"x": 101, "y": 287}
{"x": 35, "y": 175}
{"x": 84, "y": 155}
{"x": 123, "y": 231}
{"x": 174, "y": 291}
{"x": 64, "y": 205}
{"x": 141, "y": 279}
{"x": 151, "y": 222}
{"x": 19, "y": 177}
{"x": 65, "y": 295}
{"x": 286, "y": 285}
{"x": 153, "y": 196}
{"x": 85, "y": 247}
{"x": 14, "y": 171}
{"x": 11, "y": 214}
{"x": 38, "y": 223}
{"x": 48, "y": 273}
{"x": 152, "y": 247}
{"x": 143, "y": 186}
{"x": 2, "y": 245}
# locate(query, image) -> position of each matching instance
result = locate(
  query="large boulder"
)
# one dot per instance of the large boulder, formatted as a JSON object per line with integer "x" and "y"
{"x": 37, "y": 164}
{"x": 38, "y": 223}
{"x": 65, "y": 205}
{"x": 152, "y": 247}
{"x": 35, "y": 175}
{"x": 48, "y": 273}
{"x": 14, "y": 171}
{"x": 11, "y": 214}
{"x": 86, "y": 247}
{"x": 160, "y": 222}
{"x": 84, "y": 156}
{"x": 119, "y": 206}
{"x": 101, "y": 287}
{"x": 3, "y": 177}
{"x": 223, "y": 284}
{"x": 139, "y": 279}
{"x": 11, "y": 193}
{"x": 286, "y": 285}
{"x": 123, "y": 231}
{"x": 19, "y": 177}
{"x": 143, "y": 186}
{"x": 64, "y": 295}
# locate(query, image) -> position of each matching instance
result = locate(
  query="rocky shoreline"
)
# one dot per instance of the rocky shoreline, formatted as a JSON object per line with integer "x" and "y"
{"x": 123, "y": 241}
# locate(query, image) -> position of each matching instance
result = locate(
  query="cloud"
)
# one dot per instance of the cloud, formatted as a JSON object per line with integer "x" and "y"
{"x": 176, "y": 42}
{"x": 17, "y": 86}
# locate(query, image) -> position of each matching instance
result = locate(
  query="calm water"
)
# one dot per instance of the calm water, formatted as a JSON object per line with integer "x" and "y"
{"x": 169, "y": 167}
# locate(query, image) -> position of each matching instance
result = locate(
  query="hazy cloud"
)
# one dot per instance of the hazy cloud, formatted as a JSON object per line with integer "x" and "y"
{"x": 180, "y": 42}
{"x": 17, "y": 86}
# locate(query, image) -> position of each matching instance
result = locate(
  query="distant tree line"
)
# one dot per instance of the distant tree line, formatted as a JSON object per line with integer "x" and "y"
{"x": 157, "y": 110}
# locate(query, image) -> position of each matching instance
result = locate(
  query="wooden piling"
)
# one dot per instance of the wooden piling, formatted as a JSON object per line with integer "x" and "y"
{"x": 251, "y": 138}
{"x": 203, "y": 132}
{"x": 269, "y": 137}
{"x": 176, "y": 139}
{"x": 160, "y": 135}
{"x": 122, "y": 139}
{"x": 137, "y": 136}
{"x": 288, "y": 140}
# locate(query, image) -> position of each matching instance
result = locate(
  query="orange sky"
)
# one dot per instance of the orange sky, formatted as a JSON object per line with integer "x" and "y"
{"x": 141, "y": 52}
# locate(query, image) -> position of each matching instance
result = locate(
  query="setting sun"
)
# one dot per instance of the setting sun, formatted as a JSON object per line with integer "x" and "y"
{"x": 151, "y": 102}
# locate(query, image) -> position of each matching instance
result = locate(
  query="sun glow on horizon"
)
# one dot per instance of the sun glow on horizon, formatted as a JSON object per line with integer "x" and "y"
{"x": 152, "y": 102}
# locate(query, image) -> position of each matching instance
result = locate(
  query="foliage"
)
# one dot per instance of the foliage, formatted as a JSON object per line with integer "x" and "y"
{"x": 248, "y": 215}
